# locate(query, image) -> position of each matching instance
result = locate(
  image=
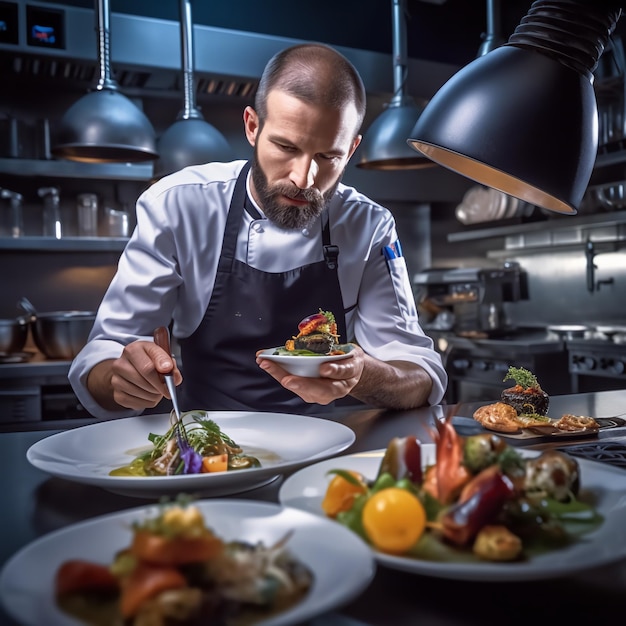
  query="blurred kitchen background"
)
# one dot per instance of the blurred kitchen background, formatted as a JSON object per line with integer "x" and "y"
{"x": 497, "y": 281}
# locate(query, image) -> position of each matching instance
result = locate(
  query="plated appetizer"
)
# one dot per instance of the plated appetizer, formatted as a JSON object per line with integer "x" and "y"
{"x": 177, "y": 571}
{"x": 317, "y": 336}
{"x": 480, "y": 499}
{"x": 205, "y": 449}
{"x": 525, "y": 406}
{"x": 526, "y": 396}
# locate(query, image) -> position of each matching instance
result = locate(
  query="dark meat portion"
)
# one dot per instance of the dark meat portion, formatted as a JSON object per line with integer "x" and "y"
{"x": 317, "y": 342}
{"x": 530, "y": 400}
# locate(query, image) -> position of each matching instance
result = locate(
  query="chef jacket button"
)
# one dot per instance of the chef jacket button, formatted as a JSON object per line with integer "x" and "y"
{"x": 305, "y": 232}
{"x": 257, "y": 227}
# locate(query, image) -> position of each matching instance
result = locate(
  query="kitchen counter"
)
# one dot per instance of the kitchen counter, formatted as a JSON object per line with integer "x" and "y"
{"x": 35, "y": 504}
{"x": 36, "y": 366}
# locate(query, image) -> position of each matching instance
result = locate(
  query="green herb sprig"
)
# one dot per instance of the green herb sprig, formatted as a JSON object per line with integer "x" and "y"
{"x": 522, "y": 377}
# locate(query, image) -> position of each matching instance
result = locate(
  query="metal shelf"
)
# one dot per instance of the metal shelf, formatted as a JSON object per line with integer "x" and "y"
{"x": 71, "y": 169}
{"x": 66, "y": 244}
{"x": 610, "y": 167}
{"x": 557, "y": 222}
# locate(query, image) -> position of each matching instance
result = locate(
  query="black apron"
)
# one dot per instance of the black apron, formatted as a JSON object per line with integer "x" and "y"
{"x": 250, "y": 310}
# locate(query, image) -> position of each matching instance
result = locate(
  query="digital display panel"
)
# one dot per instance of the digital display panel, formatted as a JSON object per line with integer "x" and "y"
{"x": 8, "y": 23}
{"x": 45, "y": 28}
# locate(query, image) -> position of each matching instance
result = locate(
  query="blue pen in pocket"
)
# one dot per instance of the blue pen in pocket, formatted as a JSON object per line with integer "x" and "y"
{"x": 394, "y": 251}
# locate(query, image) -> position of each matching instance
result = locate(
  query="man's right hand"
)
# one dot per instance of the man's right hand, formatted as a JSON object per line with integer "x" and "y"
{"x": 135, "y": 379}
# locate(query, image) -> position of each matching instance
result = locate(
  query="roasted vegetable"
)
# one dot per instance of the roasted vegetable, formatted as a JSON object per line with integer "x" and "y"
{"x": 403, "y": 459}
{"x": 322, "y": 322}
{"x": 497, "y": 543}
{"x": 482, "y": 450}
{"x": 78, "y": 575}
{"x": 317, "y": 334}
{"x": 484, "y": 497}
{"x": 555, "y": 473}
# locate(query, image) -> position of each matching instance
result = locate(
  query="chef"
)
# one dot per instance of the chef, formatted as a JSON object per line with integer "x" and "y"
{"x": 232, "y": 256}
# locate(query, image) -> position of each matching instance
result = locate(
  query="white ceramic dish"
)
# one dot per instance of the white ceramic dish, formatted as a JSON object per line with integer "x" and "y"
{"x": 283, "y": 442}
{"x": 26, "y": 580}
{"x": 298, "y": 365}
{"x": 306, "y": 488}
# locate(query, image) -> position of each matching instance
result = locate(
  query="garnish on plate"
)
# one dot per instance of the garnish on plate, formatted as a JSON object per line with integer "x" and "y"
{"x": 317, "y": 336}
{"x": 525, "y": 406}
{"x": 480, "y": 500}
{"x": 176, "y": 570}
{"x": 526, "y": 396}
{"x": 208, "y": 449}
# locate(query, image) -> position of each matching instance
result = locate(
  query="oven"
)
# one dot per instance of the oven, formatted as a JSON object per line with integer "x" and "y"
{"x": 37, "y": 394}
{"x": 597, "y": 363}
{"x": 477, "y": 367}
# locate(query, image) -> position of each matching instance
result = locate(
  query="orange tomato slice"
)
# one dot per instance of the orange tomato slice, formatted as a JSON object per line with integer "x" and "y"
{"x": 215, "y": 463}
{"x": 145, "y": 582}
{"x": 340, "y": 494}
{"x": 161, "y": 550}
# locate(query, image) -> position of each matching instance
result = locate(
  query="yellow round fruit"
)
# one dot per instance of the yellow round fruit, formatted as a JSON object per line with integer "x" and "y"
{"x": 394, "y": 519}
{"x": 340, "y": 494}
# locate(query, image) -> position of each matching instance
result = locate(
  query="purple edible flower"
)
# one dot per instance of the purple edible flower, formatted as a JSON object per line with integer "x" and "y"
{"x": 191, "y": 459}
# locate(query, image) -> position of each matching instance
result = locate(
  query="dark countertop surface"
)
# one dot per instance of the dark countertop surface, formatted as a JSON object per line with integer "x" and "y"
{"x": 35, "y": 504}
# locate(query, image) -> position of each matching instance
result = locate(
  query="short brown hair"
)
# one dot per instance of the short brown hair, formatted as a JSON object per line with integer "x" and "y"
{"x": 314, "y": 73}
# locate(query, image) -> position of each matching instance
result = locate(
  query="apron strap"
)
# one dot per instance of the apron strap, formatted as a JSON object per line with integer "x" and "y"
{"x": 233, "y": 222}
{"x": 331, "y": 252}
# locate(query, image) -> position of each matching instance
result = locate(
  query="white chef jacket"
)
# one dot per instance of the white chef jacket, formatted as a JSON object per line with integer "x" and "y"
{"x": 167, "y": 272}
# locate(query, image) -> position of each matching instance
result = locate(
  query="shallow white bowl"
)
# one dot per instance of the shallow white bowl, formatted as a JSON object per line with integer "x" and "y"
{"x": 308, "y": 366}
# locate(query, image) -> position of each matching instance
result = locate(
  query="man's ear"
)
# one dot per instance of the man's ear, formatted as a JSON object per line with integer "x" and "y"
{"x": 355, "y": 145}
{"x": 251, "y": 124}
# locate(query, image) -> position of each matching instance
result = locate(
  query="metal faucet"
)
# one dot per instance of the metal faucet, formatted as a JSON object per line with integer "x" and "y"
{"x": 590, "y": 253}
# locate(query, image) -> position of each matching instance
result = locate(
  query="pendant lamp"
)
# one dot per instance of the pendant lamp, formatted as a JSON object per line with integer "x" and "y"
{"x": 104, "y": 126}
{"x": 523, "y": 119}
{"x": 190, "y": 140}
{"x": 492, "y": 37}
{"x": 384, "y": 145}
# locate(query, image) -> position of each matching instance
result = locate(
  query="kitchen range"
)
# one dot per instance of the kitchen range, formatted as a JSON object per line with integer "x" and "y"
{"x": 597, "y": 360}
{"x": 471, "y": 328}
{"x": 36, "y": 393}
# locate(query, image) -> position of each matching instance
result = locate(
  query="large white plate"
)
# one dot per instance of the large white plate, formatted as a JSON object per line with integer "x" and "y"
{"x": 306, "y": 488}
{"x": 26, "y": 581}
{"x": 87, "y": 454}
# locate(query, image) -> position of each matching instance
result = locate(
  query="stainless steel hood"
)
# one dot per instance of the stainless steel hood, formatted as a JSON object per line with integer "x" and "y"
{"x": 145, "y": 57}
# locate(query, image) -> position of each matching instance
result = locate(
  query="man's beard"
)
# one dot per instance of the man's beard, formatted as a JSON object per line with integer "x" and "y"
{"x": 289, "y": 216}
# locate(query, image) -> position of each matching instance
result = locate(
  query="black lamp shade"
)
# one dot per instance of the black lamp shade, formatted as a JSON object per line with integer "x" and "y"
{"x": 190, "y": 142}
{"x": 384, "y": 146}
{"x": 523, "y": 118}
{"x": 518, "y": 121}
{"x": 104, "y": 126}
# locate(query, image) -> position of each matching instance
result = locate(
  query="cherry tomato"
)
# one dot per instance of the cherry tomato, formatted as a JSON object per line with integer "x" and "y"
{"x": 394, "y": 519}
{"x": 340, "y": 494}
{"x": 78, "y": 575}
